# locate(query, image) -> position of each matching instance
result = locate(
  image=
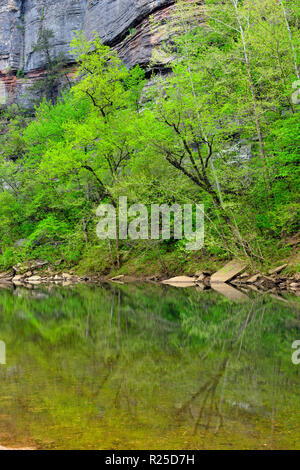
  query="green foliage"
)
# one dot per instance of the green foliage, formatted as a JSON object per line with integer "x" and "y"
{"x": 20, "y": 73}
{"x": 220, "y": 129}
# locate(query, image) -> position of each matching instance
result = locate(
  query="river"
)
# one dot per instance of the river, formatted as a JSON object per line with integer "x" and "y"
{"x": 147, "y": 367}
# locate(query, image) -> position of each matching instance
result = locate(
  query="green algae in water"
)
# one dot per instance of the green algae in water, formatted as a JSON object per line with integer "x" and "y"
{"x": 147, "y": 367}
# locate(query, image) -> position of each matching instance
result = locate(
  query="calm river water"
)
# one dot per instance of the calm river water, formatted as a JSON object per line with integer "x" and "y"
{"x": 147, "y": 367}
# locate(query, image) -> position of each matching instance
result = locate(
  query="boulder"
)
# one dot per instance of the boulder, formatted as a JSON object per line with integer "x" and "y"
{"x": 6, "y": 275}
{"x": 254, "y": 278}
{"x": 39, "y": 263}
{"x": 228, "y": 272}
{"x": 277, "y": 270}
{"x": 180, "y": 281}
{"x": 67, "y": 276}
{"x": 244, "y": 275}
{"x": 283, "y": 285}
{"x": 117, "y": 278}
{"x": 34, "y": 279}
{"x": 200, "y": 276}
{"x": 28, "y": 274}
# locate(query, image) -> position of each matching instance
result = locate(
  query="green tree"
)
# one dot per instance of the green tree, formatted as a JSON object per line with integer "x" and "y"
{"x": 55, "y": 75}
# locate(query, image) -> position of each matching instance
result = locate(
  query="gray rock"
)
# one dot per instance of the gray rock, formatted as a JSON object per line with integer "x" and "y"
{"x": 22, "y": 241}
{"x": 120, "y": 23}
{"x": 228, "y": 272}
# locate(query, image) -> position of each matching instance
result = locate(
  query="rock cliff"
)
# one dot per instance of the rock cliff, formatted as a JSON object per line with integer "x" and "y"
{"x": 120, "y": 23}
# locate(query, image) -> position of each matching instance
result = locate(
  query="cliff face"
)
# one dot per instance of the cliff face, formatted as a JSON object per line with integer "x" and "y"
{"x": 120, "y": 23}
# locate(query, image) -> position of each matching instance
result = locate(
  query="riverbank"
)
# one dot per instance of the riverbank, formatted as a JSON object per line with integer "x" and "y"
{"x": 235, "y": 273}
{"x": 191, "y": 269}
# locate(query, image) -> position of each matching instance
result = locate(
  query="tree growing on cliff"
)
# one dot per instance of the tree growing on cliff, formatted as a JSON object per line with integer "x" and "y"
{"x": 55, "y": 75}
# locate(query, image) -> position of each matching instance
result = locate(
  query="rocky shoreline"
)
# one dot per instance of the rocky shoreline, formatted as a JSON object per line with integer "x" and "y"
{"x": 233, "y": 273}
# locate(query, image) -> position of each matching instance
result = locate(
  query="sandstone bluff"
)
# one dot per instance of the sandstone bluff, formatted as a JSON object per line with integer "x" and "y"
{"x": 120, "y": 23}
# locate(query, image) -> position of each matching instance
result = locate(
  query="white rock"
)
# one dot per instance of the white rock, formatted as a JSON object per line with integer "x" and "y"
{"x": 181, "y": 281}
{"x": 34, "y": 279}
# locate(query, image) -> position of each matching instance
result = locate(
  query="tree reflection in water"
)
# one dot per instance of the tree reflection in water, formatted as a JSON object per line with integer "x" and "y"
{"x": 138, "y": 366}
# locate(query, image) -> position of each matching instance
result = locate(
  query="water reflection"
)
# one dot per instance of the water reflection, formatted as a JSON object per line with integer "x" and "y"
{"x": 117, "y": 367}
